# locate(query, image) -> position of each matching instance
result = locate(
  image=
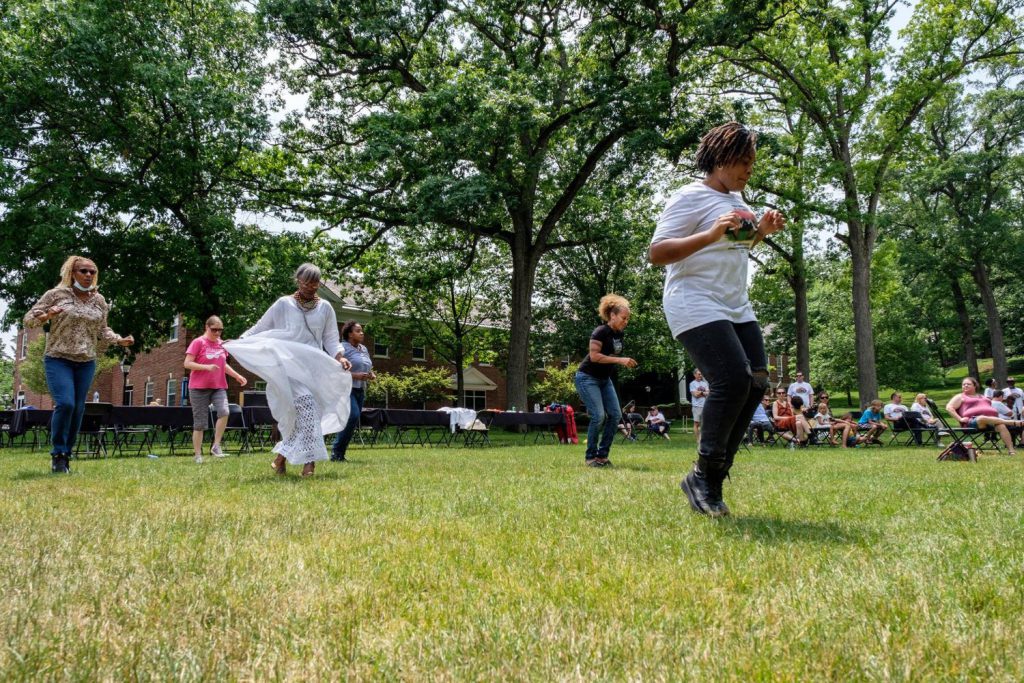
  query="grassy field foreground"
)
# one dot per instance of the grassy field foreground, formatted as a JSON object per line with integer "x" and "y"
{"x": 513, "y": 563}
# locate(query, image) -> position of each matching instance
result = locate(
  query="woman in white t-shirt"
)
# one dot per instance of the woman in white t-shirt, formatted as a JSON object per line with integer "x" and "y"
{"x": 704, "y": 237}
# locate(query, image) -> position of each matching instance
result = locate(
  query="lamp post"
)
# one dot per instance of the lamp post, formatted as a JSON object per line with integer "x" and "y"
{"x": 126, "y": 367}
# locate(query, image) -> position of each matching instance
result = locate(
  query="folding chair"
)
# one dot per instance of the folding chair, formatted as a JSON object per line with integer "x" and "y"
{"x": 959, "y": 434}
{"x": 95, "y": 423}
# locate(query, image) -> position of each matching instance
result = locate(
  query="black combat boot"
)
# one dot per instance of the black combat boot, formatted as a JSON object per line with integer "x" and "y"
{"x": 703, "y": 489}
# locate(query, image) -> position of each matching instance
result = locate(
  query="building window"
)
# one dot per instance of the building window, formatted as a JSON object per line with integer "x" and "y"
{"x": 129, "y": 395}
{"x": 148, "y": 393}
{"x": 476, "y": 400}
{"x": 419, "y": 353}
{"x": 380, "y": 347}
{"x": 540, "y": 364}
{"x": 21, "y": 400}
{"x": 259, "y": 385}
{"x": 24, "y": 343}
{"x": 184, "y": 391}
{"x": 564, "y": 363}
{"x": 173, "y": 336}
{"x": 172, "y": 392}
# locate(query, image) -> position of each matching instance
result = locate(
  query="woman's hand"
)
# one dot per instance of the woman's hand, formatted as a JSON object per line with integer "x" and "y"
{"x": 242, "y": 381}
{"x": 49, "y": 313}
{"x": 628, "y": 362}
{"x": 126, "y": 341}
{"x": 345, "y": 363}
{"x": 211, "y": 368}
{"x": 724, "y": 223}
{"x": 771, "y": 222}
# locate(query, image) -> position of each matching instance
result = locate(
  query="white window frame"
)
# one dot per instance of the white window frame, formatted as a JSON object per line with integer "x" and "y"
{"x": 20, "y": 401}
{"x": 24, "y": 344}
{"x": 175, "y": 325}
{"x": 476, "y": 395}
{"x": 387, "y": 350}
{"x": 172, "y": 392}
{"x": 423, "y": 351}
{"x": 148, "y": 393}
{"x": 259, "y": 385}
{"x": 184, "y": 391}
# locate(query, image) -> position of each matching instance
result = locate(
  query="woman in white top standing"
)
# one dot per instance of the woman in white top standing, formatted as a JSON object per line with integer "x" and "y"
{"x": 295, "y": 348}
{"x": 703, "y": 237}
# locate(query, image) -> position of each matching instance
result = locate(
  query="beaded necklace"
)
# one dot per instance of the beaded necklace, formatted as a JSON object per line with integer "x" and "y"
{"x": 307, "y": 305}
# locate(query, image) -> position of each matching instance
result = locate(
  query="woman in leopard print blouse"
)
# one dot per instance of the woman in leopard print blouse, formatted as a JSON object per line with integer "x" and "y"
{"x": 77, "y": 315}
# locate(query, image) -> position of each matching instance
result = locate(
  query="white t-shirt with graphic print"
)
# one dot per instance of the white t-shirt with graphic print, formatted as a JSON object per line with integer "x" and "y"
{"x": 710, "y": 284}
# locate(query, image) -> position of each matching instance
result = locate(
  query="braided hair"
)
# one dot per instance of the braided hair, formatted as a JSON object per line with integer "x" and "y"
{"x": 725, "y": 145}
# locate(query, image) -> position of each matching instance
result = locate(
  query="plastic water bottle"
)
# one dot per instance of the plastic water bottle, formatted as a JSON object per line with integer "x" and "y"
{"x": 536, "y": 407}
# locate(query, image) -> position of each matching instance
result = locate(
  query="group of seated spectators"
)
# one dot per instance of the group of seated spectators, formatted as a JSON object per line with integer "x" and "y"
{"x": 797, "y": 416}
{"x": 654, "y": 422}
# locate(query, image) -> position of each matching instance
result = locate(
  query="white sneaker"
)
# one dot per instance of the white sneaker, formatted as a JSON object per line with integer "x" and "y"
{"x": 216, "y": 452}
{"x": 199, "y": 460}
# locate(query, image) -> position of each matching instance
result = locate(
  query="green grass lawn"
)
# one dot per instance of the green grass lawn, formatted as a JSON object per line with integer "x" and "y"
{"x": 513, "y": 563}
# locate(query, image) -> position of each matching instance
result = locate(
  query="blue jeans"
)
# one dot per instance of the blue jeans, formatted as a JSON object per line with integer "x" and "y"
{"x": 68, "y": 382}
{"x": 341, "y": 442}
{"x": 602, "y": 404}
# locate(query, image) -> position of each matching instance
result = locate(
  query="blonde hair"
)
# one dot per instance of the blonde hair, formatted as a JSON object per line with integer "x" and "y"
{"x": 611, "y": 303}
{"x": 67, "y": 270}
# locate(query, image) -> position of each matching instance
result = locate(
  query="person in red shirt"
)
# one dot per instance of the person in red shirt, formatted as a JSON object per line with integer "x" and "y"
{"x": 208, "y": 384}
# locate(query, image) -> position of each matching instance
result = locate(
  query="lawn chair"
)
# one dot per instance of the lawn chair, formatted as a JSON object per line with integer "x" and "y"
{"x": 959, "y": 434}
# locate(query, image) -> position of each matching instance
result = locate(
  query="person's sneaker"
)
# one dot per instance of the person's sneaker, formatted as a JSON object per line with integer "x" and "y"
{"x": 594, "y": 462}
{"x": 697, "y": 490}
{"x": 199, "y": 459}
{"x": 605, "y": 462}
{"x": 216, "y": 452}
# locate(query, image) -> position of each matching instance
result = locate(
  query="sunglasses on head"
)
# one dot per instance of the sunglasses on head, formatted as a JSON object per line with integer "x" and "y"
{"x": 86, "y": 271}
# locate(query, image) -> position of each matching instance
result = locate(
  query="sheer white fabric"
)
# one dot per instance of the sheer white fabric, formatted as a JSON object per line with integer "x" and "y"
{"x": 307, "y": 390}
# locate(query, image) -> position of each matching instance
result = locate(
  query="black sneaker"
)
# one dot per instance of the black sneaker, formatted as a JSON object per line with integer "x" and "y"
{"x": 59, "y": 464}
{"x": 698, "y": 491}
{"x": 594, "y": 462}
{"x": 339, "y": 458}
{"x": 605, "y": 462}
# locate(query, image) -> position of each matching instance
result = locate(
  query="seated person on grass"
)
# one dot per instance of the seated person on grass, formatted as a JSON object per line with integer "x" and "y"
{"x": 903, "y": 417}
{"x": 627, "y": 424}
{"x": 656, "y": 422}
{"x": 974, "y": 411}
{"x": 836, "y": 426}
{"x": 759, "y": 423}
{"x": 800, "y": 431}
{"x": 872, "y": 420}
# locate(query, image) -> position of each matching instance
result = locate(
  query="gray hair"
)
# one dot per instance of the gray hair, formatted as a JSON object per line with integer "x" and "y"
{"x": 307, "y": 272}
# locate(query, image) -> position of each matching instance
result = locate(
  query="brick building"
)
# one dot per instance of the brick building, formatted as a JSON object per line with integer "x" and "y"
{"x": 158, "y": 373}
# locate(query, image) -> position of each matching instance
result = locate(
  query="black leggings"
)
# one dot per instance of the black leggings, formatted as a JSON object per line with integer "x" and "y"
{"x": 732, "y": 358}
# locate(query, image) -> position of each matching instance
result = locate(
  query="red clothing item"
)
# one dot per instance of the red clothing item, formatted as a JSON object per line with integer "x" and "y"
{"x": 786, "y": 420}
{"x": 976, "y": 406}
{"x": 208, "y": 352}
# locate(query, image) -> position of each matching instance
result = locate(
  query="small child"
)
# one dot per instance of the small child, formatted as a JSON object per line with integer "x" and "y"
{"x": 873, "y": 420}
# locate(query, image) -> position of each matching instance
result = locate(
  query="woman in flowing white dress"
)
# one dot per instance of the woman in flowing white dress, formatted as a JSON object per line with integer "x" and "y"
{"x": 295, "y": 348}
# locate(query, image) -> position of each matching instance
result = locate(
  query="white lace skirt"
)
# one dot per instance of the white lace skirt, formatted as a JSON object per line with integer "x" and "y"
{"x": 307, "y": 391}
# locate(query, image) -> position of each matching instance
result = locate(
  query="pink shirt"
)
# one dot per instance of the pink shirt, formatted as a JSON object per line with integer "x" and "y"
{"x": 208, "y": 352}
{"x": 976, "y": 406}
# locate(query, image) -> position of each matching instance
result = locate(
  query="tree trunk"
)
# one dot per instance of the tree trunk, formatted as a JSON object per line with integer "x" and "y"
{"x": 803, "y": 333}
{"x": 864, "y": 335}
{"x": 995, "y": 327}
{"x": 524, "y": 271}
{"x": 460, "y": 373}
{"x": 966, "y": 326}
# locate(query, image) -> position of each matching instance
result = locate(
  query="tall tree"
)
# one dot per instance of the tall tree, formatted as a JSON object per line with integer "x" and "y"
{"x": 442, "y": 286}
{"x": 123, "y": 129}
{"x": 836, "y": 63}
{"x": 960, "y": 201}
{"x": 492, "y": 118}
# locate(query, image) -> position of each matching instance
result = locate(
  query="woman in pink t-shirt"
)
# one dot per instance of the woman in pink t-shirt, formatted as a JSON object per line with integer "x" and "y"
{"x": 207, "y": 384}
{"x": 974, "y": 411}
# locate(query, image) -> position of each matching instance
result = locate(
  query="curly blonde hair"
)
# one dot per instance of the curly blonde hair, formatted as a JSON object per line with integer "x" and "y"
{"x": 611, "y": 303}
{"x": 67, "y": 270}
